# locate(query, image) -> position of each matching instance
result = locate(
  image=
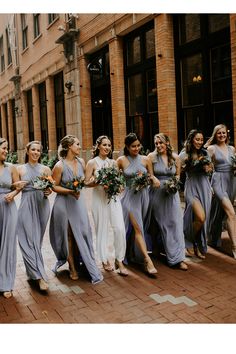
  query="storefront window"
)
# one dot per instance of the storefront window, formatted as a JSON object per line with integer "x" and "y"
{"x": 192, "y": 80}
{"x": 150, "y": 44}
{"x": 189, "y": 28}
{"x": 217, "y": 22}
{"x": 151, "y": 91}
{"x": 221, "y": 73}
{"x": 136, "y": 105}
{"x": 133, "y": 51}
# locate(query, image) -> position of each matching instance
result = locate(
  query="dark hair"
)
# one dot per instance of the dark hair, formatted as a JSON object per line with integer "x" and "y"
{"x": 169, "y": 150}
{"x": 129, "y": 139}
{"x": 98, "y": 143}
{"x": 189, "y": 141}
{"x": 65, "y": 143}
{"x": 28, "y": 146}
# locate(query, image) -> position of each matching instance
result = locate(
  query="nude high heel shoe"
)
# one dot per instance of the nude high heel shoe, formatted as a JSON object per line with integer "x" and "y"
{"x": 149, "y": 267}
{"x": 122, "y": 270}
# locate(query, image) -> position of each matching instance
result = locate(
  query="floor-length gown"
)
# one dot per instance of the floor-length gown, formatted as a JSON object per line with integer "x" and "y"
{"x": 135, "y": 204}
{"x": 224, "y": 185}
{"x": 197, "y": 188}
{"x": 33, "y": 215}
{"x": 67, "y": 210}
{"x": 166, "y": 214}
{"x": 108, "y": 217}
{"x": 8, "y": 219}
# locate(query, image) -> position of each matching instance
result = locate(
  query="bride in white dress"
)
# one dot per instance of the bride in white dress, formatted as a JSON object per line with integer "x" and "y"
{"x": 106, "y": 215}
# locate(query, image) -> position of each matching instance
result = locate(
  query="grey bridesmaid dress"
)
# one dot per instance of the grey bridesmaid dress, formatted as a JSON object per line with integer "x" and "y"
{"x": 69, "y": 211}
{"x": 8, "y": 219}
{"x": 33, "y": 215}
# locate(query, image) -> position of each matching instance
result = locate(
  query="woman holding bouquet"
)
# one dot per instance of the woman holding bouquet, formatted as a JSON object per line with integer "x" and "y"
{"x": 106, "y": 213}
{"x": 224, "y": 186}
{"x": 33, "y": 214}
{"x": 135, "y": 200}
{"x": 8, "y": 218}
{"x": 70, "y": 231}
{"x": 165, "y": 214}
{"x": 197, "y": 165}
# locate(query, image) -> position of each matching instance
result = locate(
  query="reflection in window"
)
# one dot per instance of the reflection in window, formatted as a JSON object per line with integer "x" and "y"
{"x": 135, "y": 93}
{"x": 150, "y": 44}
{"x": 151, "y": 91}
{"x": 221, "y": 73}
{"x": 133, "y": 51}
{"x": 192, "y": 80}
{"x": 218, "y": 22}
{"x": 189, "y": 28}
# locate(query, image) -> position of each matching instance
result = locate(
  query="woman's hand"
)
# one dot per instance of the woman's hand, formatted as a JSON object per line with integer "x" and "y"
{"x": 155, "y": 181}
{"x": 47, "y": 192}
{"x": 19, "y": 185}
{"x": 76, "y": 195}
{"x": 9, "y": 197}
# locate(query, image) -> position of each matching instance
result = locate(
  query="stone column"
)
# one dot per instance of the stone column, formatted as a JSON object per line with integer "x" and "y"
{"x": 165, "y": 66}
{"x": 25, "y": 127}
{"x": 117, "y": 92}
{"x": 36, "y": 113}
{"x": 86, "y": 108}
{"x": 11, "y": 145}
{"x": 52, "y": 143}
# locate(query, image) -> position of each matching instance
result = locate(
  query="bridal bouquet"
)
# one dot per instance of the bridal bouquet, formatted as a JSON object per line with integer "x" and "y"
{"x": 197, "y": 165}
{"x": 140, "y": 180}
{"x": 43, "y": 182}
{"x": 112, "y": 181}
{"x": 76, "y": 184}
{"x": 172, "y": 185}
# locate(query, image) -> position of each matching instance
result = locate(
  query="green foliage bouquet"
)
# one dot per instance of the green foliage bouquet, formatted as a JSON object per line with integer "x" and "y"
{"x": 172, "y": 185}
{"x": 140, "y": 180}
{"x": 112, "y": 181}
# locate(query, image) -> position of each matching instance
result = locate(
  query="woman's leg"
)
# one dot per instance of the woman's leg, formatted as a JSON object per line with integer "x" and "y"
{"x": 71, "y": 248}
{"x": 198, "y": 222}
{"x": 142, "y": 246}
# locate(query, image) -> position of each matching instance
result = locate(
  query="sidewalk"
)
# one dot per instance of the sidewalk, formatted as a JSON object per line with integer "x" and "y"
{"x": 206, "y": 293}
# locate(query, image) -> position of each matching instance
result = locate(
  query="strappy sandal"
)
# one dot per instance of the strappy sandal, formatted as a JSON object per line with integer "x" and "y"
{"x": 7, "y": 294}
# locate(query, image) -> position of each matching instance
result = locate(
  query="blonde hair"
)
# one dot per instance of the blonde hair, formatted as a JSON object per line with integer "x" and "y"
{"x": 169, "y": 150}
{"x": 212, "y": 139}
{"x": 65, "y": 143}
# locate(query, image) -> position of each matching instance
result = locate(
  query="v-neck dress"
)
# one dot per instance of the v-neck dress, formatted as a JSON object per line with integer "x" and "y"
{"x": 137, "y": 205}
{"x": 8, "y": 218}
{"x": 197, "y": 187}
{"x": 224, "y": 186}
{"x": 67, "y": 210}
{"x": 165, "y": 215}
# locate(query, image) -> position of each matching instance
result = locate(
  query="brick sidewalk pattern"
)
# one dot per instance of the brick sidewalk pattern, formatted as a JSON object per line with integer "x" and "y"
{"x": 206, "y": 293}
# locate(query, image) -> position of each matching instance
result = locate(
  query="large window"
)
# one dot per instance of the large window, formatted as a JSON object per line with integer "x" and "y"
{"x": 59, "y": 106}
{"x": 36, "y": 25}
{"x": 30, "y": 115}
{"x": 24, "y": 28}
{"x": 203, "y": 72}
{"x": 2, "y": 59}
{"x": 51, "y": 18}
{"x": 43, "y": 115}
{"x": 9, "y": 57}
{"x": 141, "y": 84}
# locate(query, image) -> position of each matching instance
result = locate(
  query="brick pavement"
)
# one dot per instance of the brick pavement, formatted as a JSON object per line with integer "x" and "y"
{"x": 206, "y": 293}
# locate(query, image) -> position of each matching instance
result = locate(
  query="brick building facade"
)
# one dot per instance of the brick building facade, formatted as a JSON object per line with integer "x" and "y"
{"x": 89, "y": 74}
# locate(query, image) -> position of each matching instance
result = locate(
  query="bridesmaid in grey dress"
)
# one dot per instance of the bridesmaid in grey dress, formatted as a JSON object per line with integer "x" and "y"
{"x": 33, "y": 215}
{"x": 135, "y": 205}
{"x": 165, "y": 213}
{"x": 224, "y": 186}
{"x": 70, "y": 231}
{"x": 197, "y": 193}
{"x": 8, "y": 219}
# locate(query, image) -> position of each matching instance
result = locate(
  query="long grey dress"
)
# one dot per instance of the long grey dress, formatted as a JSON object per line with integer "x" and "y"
{"x": 33, "y": 215}
{"x": 165, "y": 211}
{"x": 69, "y": 211}
{"x": 8, "y": 219}
{"x": 224, "y": 185}
{"x": 137, "y": 205}
{"x": 197, "y": 187}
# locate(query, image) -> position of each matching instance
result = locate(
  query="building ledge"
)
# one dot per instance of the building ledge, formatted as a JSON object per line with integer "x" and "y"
{"x": 67, "y": 35}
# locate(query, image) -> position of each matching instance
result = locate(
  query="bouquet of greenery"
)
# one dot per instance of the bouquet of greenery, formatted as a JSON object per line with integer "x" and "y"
{"x": 76, "y": 184}
{"x": 197, "y": 165}
{"x": 233, "y": 158}
{"x": 140, "y": 180}
{"x": 43, "y": 182}
{"x": 112, "y": 181}
{"x": 172, "y": 185}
